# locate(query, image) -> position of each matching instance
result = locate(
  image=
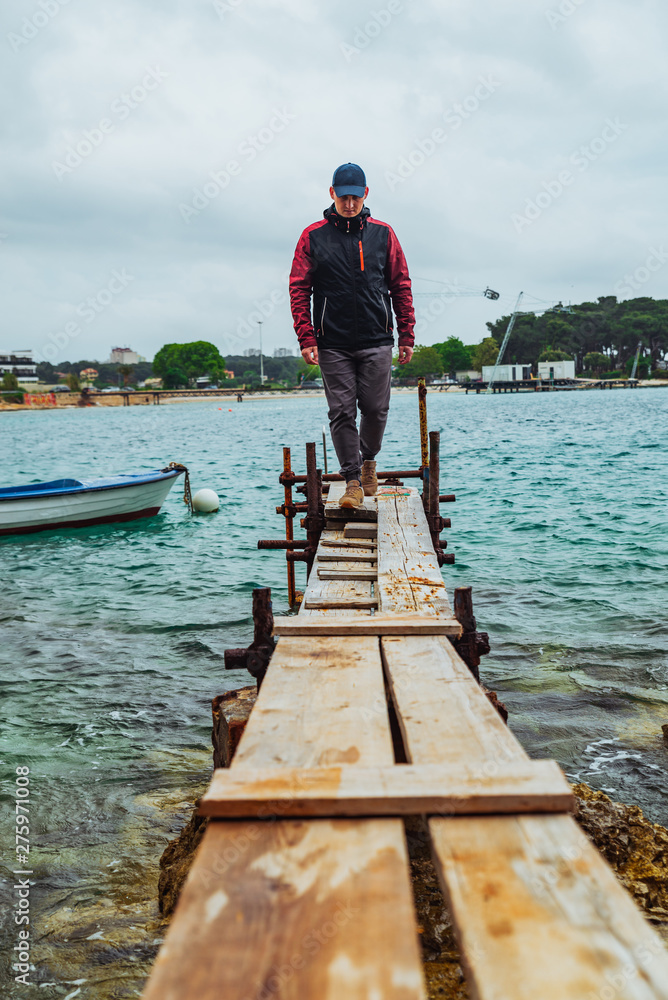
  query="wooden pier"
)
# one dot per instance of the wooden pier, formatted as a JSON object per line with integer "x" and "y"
{"x": 300, "y": 889}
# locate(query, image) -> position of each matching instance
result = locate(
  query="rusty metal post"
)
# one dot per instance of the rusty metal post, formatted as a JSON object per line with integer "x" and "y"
{"x": 314, "y": 521}
{"x": 422, "y": 404}
{"x": 324, "y": 448}
{"x": 434, "y": 472}
{"x": 289, "y": 515}
{"x": 255, "y": 658}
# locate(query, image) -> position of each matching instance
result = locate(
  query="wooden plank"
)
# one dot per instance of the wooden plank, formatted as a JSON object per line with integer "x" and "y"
{"x": 443, "y": 714}
{"x": 360, "y": 531}
{"x": 517, "y": 887}
{"x": 356, "y": 514}
{"x": 346, "y": 543}
{"x": 340, "y": 603}
{"x": 298, "y": 909}
{"x": 409, "y": 579}
{"x": 399, "y": 790}
{"x": 327, "y": 573}
{"x": 539, "y": 914}
{"x": 324, "y": 624}
{"x": 367, "y": 508}
{"x": 327, "y": 557}
{"x": 333, "y": 591}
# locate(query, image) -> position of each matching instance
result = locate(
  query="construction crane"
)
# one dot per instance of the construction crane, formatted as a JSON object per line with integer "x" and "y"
{"x": 509, "y": 330}
{"x": 635, "y": 360}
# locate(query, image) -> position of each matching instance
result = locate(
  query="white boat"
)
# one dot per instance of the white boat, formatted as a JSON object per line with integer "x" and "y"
{"x": 72, "y": 503}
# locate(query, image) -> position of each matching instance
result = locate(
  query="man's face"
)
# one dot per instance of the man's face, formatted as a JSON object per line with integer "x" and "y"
{"x": 348, "y": 206}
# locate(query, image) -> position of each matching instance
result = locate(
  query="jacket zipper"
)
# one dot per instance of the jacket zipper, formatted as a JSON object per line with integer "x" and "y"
{"x": 387, "y": 318}
{"x": 322, "y": 318}
{"x": 361, "y": 257}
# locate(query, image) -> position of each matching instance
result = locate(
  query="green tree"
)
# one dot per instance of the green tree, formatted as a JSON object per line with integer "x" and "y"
{"x": 125, "y": 371}
{"x": 174, "y": 378}
{"x": 72, "y": 382}
{"x": 594, "y": 361}
{"x": 551, "y": 354}
{"x": 425, "y": 361}
{"x": 193, "y": 360}
{"x": 455, "y": 356}
{"x": 9, "y": 382}
{"x": 485, "y": 353}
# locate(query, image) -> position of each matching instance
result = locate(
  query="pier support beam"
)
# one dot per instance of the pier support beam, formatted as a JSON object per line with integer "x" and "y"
{"x": 255, "y": 658}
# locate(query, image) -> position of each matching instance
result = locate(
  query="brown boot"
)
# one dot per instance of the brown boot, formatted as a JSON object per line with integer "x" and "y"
{"x": 354, "y": 495}
{"x": 369, "y": 478}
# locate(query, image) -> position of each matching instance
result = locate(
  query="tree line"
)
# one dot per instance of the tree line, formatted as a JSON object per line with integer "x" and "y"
{"x": 601, "y": 337}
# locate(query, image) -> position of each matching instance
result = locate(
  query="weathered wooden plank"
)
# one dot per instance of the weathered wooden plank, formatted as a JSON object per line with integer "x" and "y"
{"x": 333, "y": 591}
{"x": 340, "y": 603}
{"x": 443, "y": 714}
{"x": 307, "y": 713}
{"x": 398, "y": 790}
{"x": 342, "y": 557}
{"x": 409, "y": 579}
{"x": 348, "y": 543}
{"x": 298, "y": 909}
{"x": 366, "y": 510}
{"x": 327, "y": 573}
{"x": 360, "y": 531}
{"x": 325, "y": 624}
{"x": 539, "y": 914}
{"x": 518, "y": 887}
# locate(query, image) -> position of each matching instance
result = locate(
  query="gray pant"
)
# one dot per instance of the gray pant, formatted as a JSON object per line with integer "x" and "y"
{"x": 352, "y": 379}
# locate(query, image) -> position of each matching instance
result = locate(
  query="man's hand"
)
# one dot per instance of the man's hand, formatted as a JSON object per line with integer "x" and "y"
{"x": 310, "y": 355}
{"x": 405, "y": 354}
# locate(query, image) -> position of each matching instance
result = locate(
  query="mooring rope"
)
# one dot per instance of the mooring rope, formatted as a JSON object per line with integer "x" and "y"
{"x": 187, "y": 493}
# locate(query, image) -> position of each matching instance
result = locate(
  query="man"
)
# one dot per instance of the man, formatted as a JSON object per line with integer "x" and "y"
{"x": 355, "y": 269}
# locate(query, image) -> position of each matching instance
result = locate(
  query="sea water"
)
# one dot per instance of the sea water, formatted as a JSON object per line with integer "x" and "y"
{"x": 112, "y": 637}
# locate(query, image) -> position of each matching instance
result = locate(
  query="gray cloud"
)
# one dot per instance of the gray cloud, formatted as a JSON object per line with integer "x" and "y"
{"x": 517, "y": 92}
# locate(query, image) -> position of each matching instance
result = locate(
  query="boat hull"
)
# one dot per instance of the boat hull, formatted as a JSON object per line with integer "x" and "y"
{"x": 107, "y": 505}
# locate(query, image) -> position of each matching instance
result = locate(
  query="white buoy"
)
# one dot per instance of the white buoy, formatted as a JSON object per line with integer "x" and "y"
{"x": 206, "y": 501}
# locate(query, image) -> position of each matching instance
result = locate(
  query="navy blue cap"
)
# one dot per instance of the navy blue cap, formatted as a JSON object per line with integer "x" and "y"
{"x": 349, "y": 179}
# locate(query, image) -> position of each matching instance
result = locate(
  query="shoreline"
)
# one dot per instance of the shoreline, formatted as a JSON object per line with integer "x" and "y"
{"x": 140, "y": 398}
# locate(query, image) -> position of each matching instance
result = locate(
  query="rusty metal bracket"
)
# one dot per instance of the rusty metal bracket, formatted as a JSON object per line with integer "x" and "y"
{"x": 255, "y": 658}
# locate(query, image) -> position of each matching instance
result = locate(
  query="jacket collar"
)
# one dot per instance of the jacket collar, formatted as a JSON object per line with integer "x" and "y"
{"x": 346, "y": 225}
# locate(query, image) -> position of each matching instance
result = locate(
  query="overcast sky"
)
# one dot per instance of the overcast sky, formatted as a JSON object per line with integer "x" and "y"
{"x": 160, "y": 159}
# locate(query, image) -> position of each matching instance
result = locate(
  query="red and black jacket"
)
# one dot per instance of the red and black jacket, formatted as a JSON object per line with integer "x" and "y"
{"x": 357, "y": 273}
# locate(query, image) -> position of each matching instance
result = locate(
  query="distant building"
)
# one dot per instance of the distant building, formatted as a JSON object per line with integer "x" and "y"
{"x": 20, "y": 363}
{"x": 556, "y": 369}
{"x": 507, "y": 373}
{"x": 283, "y": 352}
{"x": 152, "y": 383}
{"x": 88, "y": 374}
{"x": 463, "y": 376}
{"x": 228, "y": 374}
{"x": 124, "y": 356}
{"x": 252, "y": 352}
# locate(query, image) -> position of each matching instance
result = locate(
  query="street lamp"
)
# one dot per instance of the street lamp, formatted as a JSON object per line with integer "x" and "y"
{"x": 259, "y": 323}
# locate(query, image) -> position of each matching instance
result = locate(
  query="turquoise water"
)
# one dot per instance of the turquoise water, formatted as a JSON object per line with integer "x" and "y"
{"x": 113, "y": 636}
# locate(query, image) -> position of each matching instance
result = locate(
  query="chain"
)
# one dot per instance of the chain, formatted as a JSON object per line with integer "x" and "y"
{"x": 187, "y": 493}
